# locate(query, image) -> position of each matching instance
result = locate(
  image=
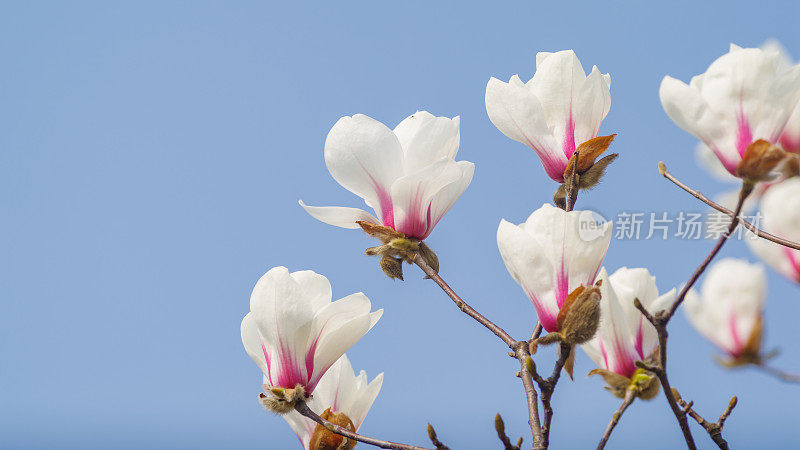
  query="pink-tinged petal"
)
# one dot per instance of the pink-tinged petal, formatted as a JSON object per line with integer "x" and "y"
{"x": 365, "y": 157}
{"x": 339, "y": 216}
{"x": 340, "y": 325}
{"x": 531, "y": 269}
{"x": 730, "y": 303}
{"x": 518, "y": 114}
{"x": 412, "y": 195}
{"x": 446, "y": 197}
{"x": 744, "y": 136}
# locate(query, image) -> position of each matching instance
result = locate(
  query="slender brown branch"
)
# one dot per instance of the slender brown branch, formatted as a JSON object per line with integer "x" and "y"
{"x": 303, "y": 409}
{"x": 520, "y": 348}
{"x": 735, "y": 219}
{"x": 714, "y": 429}
{"x": 757, "y": 231}
{"x": 462, "y": 305}
{"x": 548, "y": 387}
{"x": 662, "y": 318}
{"x": 630, "y": 396}
{"x": 778, "y": 373}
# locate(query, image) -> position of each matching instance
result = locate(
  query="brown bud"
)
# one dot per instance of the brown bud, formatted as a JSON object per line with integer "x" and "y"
{"x": 569, "y": 364}
{"x": 324, "y": 439}
{"x": 579, "y": 315}
{"x": 615, "y": 383}
{"x": 429, "y": 256}
{"x": 761, "y": 161}
{"x": 560, "y": 197}
{"x": 646, "y": 384}
{"x": 594, "y": 174}
{"x": 385, "y": 234}
{"x": 582, "y": 170}
{"x": 392, "y": 267}
{"x": 281, "y": 400}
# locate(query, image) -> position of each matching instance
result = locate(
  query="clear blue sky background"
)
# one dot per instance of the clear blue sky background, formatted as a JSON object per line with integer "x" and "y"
{"x": 152, "y": 158}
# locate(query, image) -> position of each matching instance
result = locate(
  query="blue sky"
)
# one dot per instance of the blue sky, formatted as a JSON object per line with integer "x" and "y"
{"x": 153, "y": 154}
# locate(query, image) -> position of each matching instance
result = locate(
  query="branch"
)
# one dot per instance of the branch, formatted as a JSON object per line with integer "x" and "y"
{"x": 548, "y": 387}
{"x": 303, "y": 409}
{"x": 662, "y": 318}
{"x": 462, "y": 305}
{"x": 520, "y": 348}
{"x": 757, "y": 231}
{"x": 714, "y": 429}
{"x": 747, "y": 188}
{"x": 630, "y": 396}
{"x": 780, "y": 374}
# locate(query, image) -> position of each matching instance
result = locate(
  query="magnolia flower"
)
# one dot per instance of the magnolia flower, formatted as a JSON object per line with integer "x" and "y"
{"x": 780, "y": 209}
{"x": 555, "y": 111}
{"x": 341, "y": 392}
{"x": 295, "y": 333}
{"x": 624, "y": 335}
{"x": 551, "y": 254}
{"x": 408, "y": 176}
{"x": 728, "y": 309}
{"x": 744, "y": 96}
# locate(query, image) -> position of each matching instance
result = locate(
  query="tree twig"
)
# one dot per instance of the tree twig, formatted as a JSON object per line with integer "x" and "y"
{"x": 630, "y": 396}
{"x": 548, "y": 387}
{"x": 520, "y": 348}
{"x": 303, "y": 409}
{"x": 698, "y": 195}
{"x": 462, "y": 305}
{"x": 714, "y": 429}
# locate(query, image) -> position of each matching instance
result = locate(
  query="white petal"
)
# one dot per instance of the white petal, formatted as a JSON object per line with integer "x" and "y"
{"x": 518, "y": 114}
{"x": 338, "y": 326}
{"x": 426, "y": 139}
{"x": 315, "y": 287}
{"x": 442, "y": 201}
{"x": 365, "y": 157}
{"x": 252, "y": 342}
{"x": 684, "y": 105}
{"x": 339, "y": 216}
{"x": 590, "y": 107}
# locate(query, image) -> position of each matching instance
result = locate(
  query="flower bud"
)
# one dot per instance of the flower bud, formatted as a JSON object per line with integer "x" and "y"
{"x": 761, "y": 161}
{"x": 324, "y": 439}
{"x": 392, "y": 267}
{"x": 578, "y": 318}
{"x": 429, "y": 256}
{"x": 281, "y": 400}
{"x": 580, "y": 315}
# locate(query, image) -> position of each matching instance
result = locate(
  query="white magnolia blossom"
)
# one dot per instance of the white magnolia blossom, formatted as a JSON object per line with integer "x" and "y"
{"x": 555, "y": 111}
{"x": 295, "y": 333}
{"x": 790, "y": 139}
{"x": 341, "y": 391}
{"x": 729, "y": 305}
{"x": 408, "y": 176}
{"x": 745, "y": 95}
{"x": 780, "y": 211}
{"x": 551, "y": 254}
{"x": 624, "y": 336}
